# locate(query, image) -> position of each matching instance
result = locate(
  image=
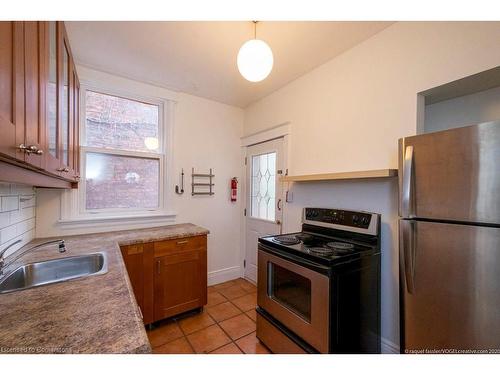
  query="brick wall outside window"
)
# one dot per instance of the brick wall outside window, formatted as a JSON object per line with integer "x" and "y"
{"x": 117, "y": 181}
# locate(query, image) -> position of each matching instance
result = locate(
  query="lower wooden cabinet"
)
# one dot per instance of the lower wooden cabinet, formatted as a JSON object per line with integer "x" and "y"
{"x": 168, "y": 277}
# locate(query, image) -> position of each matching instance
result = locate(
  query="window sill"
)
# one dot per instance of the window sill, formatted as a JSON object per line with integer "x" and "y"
{"x": 117, "y": 222}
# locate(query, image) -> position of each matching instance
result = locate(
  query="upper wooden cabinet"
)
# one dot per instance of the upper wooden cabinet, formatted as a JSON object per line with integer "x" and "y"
{"x": 39, "y": 100}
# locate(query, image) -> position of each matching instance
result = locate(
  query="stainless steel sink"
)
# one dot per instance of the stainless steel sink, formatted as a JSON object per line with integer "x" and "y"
{"x": 54, "y": 271}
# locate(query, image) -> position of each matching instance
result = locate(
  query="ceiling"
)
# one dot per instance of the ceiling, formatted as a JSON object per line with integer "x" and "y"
{"x": 199, "y": 58}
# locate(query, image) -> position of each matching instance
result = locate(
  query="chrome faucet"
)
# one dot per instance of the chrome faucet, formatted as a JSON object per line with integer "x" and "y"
{"x": 3, "y": 265}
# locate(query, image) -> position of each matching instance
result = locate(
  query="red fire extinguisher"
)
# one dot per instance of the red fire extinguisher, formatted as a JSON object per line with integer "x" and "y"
{"x": 234, "y": 188}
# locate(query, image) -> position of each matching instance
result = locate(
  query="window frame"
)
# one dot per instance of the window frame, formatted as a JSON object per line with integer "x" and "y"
{"x": 74, "y": 214}
{"x": 85, "y": 149}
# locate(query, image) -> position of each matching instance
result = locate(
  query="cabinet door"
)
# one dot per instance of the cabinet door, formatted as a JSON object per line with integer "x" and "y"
{"x": 179, "y": 283}
{"x": 11, "y": 88}
{"x": 133, "y": 258}
{"x": 64, "y": 100}
{"x": 34, "y": 83}
{"x": 75, "y": 150}
{"x": 66, "y": 110}
{"x": 52, "y": 163}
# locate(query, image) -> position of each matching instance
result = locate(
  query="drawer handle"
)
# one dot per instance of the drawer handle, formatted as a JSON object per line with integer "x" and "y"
{"x": 182, "y": 242}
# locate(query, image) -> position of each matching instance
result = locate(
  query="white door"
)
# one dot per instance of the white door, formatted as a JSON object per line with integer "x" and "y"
{"x": 264, "y": 197}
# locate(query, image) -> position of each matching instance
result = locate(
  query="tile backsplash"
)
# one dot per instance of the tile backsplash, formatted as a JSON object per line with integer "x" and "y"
{"x": 17, "y": 215}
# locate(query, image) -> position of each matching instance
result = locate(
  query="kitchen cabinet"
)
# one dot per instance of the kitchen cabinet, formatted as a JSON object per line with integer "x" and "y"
{"x": 11, "y": 88}
{"x": 168, "y": 277}
{"x": 180, "y": 281}
{"x": 39, "y": 105}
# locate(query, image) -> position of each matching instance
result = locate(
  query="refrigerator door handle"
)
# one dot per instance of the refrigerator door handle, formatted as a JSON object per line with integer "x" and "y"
{"x": 409, "y": 253}
{"x": 406, "y": 198}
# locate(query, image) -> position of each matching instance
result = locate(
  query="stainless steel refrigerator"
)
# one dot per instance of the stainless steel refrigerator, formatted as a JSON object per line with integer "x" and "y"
{"x": 449, "y": 233}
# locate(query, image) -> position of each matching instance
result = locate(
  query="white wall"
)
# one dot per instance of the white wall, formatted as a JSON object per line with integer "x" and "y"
{"x": 465, "y": 110}
{"x": 206, "y": 134}
{"x": 17, "y": 216}
{"x": 349, "y": 113}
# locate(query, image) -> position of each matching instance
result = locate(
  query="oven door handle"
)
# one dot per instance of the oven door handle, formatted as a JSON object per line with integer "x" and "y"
{"x": 297, "y": 260}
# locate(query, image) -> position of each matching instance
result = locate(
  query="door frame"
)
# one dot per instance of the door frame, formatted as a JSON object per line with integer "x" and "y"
{"x": 278, "y": 131}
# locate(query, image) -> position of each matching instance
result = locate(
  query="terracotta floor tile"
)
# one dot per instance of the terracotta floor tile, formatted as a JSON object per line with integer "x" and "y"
{"x": 250, "y": 344}
{"x": 247, "y": 302}
{"x": 214, "y": 298}
{"x": 179, "y": 346}
{"x": 227, "y": 284}
{"x": 164, "y": 333}
{"x": 252, "y": 314}
{"x": 223, "y": 311}
{"x": 230, "y": 348}
{"x": 238, "y": 326}
{"x": 233, "y": 292}
{"x": 208, "y": 339}
{"x": 247, "y": 285}
{"x": 250, "y": 288}
{"x": 196, "y": 322}
{"x": 211, "y": 289}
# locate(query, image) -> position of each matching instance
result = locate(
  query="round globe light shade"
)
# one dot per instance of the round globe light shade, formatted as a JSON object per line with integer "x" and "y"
{"x": 255, "y": 60}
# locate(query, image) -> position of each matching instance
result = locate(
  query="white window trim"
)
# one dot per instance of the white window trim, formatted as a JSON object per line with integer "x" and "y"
{"x": 73, "y": 214}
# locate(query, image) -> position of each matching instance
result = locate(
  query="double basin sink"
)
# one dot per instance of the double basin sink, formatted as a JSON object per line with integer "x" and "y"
{"x": 54, "y": 271}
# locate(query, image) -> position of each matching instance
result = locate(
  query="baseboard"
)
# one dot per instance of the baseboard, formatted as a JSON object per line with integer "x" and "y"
{"x": 225, "y": 274}
{"x": 251, "y": 273}
{"x": 388, "y": 347}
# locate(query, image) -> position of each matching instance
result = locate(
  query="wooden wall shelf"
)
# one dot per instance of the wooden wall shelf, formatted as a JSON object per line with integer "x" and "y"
{"x": 375, "y": 173}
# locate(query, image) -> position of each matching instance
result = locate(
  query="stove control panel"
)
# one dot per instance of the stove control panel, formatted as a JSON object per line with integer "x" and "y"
{"x": 339, "y": 217}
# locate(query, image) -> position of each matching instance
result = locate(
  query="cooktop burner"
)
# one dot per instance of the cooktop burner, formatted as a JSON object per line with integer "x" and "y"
{"x": 321, "y": 250}
{"x": 287, "y": 240}
{"x": 342, "y": 246}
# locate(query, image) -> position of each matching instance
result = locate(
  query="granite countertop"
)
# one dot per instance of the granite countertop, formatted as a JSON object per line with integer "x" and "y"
{"x": 95, "y": 314}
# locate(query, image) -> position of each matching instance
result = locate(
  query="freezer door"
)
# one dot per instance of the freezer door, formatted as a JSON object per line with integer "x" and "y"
{"x": 452, "y": 175}
{"x": 450, "y": 286}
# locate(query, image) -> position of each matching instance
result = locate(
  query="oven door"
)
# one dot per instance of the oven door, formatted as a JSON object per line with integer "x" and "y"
{"x": 297, "y": 296}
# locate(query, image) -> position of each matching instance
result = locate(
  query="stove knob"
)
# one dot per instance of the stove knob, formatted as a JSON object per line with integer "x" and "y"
{"x": 355, "y": 219}
{"x": 365, "y": 220}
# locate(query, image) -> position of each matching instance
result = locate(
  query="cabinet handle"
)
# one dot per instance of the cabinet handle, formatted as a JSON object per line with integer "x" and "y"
{"x": 182, "y": 242}
{"x": 31, "y": 149}
{"x": 65, "y": 169}
{"x": 158, "y": 267}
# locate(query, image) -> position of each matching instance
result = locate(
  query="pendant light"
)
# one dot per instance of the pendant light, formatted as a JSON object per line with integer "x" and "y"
{"x": 255, "y": 59}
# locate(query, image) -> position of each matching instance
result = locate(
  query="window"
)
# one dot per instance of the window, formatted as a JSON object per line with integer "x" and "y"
{"x": 122, "y": 154}
{"x": 264, "y": 186}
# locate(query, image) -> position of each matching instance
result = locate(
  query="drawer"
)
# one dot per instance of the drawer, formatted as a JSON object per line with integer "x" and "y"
{"x": 274, "y": 339}
{"x": 179, "y": 245}
{"x": 131, "y": 249}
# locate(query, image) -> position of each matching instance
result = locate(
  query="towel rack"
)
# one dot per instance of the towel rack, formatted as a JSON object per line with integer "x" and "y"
{"x": 195, "y": 185}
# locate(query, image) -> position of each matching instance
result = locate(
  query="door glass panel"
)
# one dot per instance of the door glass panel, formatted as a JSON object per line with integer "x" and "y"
{"x": 65, "y": 107}
{"x": 264, "y": 186}
{"x": 290, "y": 289}
{"x": 52, "y": 92}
